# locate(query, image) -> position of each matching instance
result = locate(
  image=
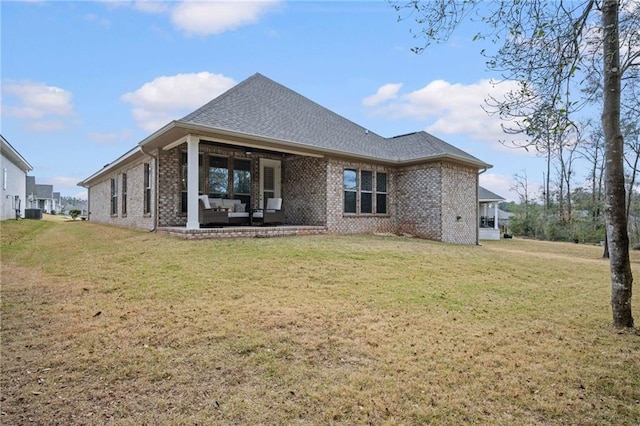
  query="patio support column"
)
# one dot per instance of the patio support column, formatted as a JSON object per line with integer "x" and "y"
{"x": 495, "y": 215}
{"x": 192, "y": 182}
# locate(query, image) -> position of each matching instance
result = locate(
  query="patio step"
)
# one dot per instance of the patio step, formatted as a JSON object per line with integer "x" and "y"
{"x": 242, "y": 232}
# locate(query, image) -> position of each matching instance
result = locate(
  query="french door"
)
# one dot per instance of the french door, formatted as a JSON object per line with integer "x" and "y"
{"x": 270, "y": 175}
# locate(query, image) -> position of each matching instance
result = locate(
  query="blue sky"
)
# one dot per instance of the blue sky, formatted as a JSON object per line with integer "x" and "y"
{"x": 84, "y": 82}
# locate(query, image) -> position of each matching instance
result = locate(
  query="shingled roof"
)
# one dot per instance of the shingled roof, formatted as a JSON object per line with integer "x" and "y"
{"x": 486, "y": 195}
{"x": 44, "y": 191}
{"x": 259, "y": 106}
{"x": 261, "y": 113}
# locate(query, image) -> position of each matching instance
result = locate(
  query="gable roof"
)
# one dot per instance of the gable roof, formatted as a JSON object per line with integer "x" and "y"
{"x": 43, "y": 191}
{"x": 260, "y": 113}
{"x": 486, "y": 195}
{"x": 259, "y": 106}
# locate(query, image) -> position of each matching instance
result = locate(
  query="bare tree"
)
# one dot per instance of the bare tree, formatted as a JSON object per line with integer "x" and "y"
{"x": 544, "y": 47}
{"x": 592, "y": 150}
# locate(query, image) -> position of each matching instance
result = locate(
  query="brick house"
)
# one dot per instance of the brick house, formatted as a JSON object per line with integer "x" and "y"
{"x": 260, "y": 139}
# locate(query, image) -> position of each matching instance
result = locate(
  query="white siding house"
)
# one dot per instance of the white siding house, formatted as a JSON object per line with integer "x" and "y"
{"x": 14, "y": 170}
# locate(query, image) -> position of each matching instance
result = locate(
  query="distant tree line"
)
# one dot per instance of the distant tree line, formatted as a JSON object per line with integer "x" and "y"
{"x": 570, "y": 206}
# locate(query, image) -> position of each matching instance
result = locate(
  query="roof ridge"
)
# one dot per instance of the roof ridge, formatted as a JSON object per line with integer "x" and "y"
{"x": 367, "y": 131}
{"x": 220, "y": 97}
{"x": 405, "y": 135}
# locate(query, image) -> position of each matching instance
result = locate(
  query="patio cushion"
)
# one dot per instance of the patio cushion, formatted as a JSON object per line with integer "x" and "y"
{"x": 274, "y": 203}
{"x": 205, "y": 201}
{"x": 215, "y": 202}
{"x": 260, "y": 213}
{"x": 238, "y": 214}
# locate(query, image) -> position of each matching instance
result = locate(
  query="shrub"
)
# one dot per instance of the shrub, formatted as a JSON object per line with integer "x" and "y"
{"x": 74, "y": 213}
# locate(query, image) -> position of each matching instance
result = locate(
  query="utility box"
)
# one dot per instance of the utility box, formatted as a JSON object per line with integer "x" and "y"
{"x": 32, "y": 214}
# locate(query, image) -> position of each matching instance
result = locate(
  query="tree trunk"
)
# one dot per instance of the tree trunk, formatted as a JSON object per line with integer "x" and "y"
{"x": 616, "y": 221}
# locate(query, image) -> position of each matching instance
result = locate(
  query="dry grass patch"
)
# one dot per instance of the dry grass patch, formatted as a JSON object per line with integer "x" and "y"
{"x": 310, "y": 330}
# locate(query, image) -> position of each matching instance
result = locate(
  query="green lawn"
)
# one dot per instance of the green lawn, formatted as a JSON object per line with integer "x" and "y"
{"x": 126, "y": 327}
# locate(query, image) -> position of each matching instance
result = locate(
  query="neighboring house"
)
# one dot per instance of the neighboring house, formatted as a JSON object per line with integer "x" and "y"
{"x": 489, "y": 211}
{"x": 31, "y": 202}
{"x": 81, "y": 205}
{"x": 14, "y": 175}
{"x": 57, "y": 202}
{"x": 260, "y": 140}
{"x": 40, "y": 196}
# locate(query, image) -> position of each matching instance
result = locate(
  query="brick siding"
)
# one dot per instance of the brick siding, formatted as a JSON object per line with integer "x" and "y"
{"x": 340, "y": 223}
{"x": 437, "y": 201}
{"x": 459, "y": 204}
{"x": 305, "y": 190}
{"x": 100, "y": 197}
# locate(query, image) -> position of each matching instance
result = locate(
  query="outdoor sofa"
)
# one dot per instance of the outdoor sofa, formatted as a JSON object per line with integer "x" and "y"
{"x": 220, "y": 211}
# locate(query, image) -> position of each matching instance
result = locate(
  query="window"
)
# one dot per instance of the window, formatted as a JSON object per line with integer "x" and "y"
{"x": 183, "y": 178}
{"x": 350, "y": 190}
{"x": 365, "y": 192}
{"x": 147, "y": 189}
{"x": 124, "y": 194}
{"x": 381, "y": 193}
{"x": 114, "y": 196}
{"x": 218, "y": 177}
{"x": 5, "y": 176}
{"x": 241, "y": 177}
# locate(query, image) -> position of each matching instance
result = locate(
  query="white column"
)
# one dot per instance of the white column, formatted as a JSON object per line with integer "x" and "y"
{"x": 192, "y": 182}
{"x": 495, "y": 216}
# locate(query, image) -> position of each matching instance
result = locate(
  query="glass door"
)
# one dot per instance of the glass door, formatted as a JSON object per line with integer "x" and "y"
{"x": 270, "y": 172}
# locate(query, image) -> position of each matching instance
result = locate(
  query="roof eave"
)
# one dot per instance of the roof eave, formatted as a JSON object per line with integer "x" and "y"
{"x": 128, "y": 156}
{"x": 447, "y": 157}
{"x": 15, "y": 156}
{"x": 302, "y": 149}
{"x": 177, "y": 129}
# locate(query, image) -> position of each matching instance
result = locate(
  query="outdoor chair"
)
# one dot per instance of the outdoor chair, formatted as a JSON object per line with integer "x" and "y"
{"x": 273, "y": 214}
{"x": 209, "y": 215}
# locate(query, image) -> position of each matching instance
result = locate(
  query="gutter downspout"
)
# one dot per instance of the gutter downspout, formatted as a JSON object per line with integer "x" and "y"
{"x": 155, "y": 189}
{"x": 478, "y": 205}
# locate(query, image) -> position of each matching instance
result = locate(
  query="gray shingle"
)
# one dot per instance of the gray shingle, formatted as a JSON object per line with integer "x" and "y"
{"x": 44, "y": 191}
{"x": 261, "y": 107}
{"x": 31, "y": 185}
{"x": 486, "y": 195}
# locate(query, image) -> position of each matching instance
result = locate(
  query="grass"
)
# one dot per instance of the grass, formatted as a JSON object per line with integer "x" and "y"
{"x": 104, "y": 325}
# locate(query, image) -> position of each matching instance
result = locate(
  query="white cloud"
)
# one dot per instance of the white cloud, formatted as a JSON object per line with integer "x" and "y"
{"x": 451, "y": 108}
{"x": 384, "y": 93}
{"x": 202, "y": 17}
{"x": 108, "y": 138}
{"x": 205, "y": 18}
{"x": 151, "y": 6}
{"x": 168, "y": 98}
{"x": 38, "y": 104}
